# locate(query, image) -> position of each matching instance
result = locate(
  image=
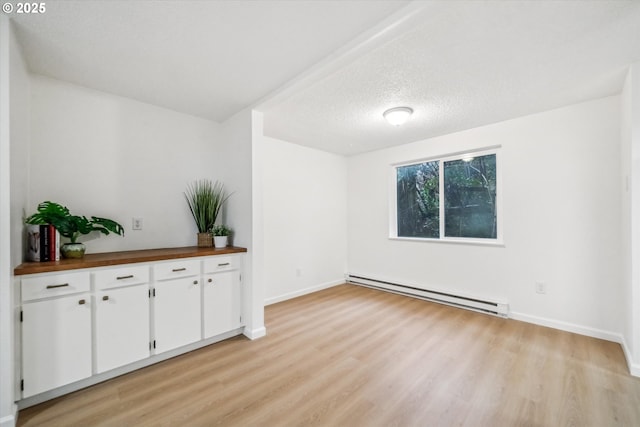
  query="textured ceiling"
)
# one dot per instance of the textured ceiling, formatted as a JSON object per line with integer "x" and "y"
{"x": 324, "y": 71}
{"x": 206, "y": 58}
{"x": 464, "y": 64}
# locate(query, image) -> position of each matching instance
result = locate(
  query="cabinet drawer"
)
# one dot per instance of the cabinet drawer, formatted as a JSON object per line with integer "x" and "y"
{"x": 119, "y": 277}
{"x": 54, "y": 285}
{"x": 175, "y": 269}
{"x": 221, "y": 263}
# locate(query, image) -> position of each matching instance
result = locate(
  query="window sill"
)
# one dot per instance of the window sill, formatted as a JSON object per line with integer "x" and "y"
{"x": 471, "y": 242}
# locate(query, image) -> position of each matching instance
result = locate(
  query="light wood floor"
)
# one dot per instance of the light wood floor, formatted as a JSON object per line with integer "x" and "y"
{"x": 352, "y": 356}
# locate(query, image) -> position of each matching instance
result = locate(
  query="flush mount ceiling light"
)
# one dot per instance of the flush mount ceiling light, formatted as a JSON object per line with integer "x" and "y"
{"x": 397, "y": 116}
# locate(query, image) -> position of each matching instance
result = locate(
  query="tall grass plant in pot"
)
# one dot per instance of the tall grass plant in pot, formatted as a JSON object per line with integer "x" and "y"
{"x": 205, "y": 199}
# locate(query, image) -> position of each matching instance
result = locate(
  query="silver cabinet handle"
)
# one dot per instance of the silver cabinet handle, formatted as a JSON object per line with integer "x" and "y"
{"x": 125, "y": 277}
{"x": 57, "y": 286}
{"x": 178, "y": 269}
{"x": 223, "y": 264}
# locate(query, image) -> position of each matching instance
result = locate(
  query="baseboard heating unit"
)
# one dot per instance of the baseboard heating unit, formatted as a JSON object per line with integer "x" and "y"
{"x": 483, "y": 306}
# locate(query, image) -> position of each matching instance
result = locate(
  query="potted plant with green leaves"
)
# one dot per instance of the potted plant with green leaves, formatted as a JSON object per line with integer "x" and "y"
{"x": 205, "y": 199}
{"x": 221, "y": 235}
{"x": 72, "y": 226}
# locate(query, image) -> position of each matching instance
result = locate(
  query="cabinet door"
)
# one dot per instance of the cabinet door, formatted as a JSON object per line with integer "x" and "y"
{"x": 176, "y": 319}
{"x": 56, "y": 343}
{"x": 222, "y": 303}
{"x": 122, "y": 326}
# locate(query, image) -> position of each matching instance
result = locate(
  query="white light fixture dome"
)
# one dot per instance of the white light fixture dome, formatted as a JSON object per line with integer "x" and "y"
{"x": 398, "y": 115}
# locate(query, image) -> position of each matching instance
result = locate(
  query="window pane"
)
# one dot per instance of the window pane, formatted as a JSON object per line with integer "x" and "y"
{"x": 470, "y": 198}
{"x": 418, "y": 189}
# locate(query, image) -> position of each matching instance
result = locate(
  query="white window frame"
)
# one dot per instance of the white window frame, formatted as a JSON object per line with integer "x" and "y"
{"x": 393, "y": 198}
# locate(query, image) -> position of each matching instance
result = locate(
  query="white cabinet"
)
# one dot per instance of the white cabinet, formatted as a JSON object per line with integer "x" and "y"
{"x": 121, "y": 308}
{"x": 56, "y": 332}
{"x": 222, "y": 302}
{"x": 176, "y": 269}
{"x": 121, "y": 326}
{"x": 176, "y": 304}
{"x": 83, "y": 325}
{"x": 221, "y": 263}
{"x": 221, "y": 296}
{"x": 119, "y": 277}
{"x": 54, "y": 285}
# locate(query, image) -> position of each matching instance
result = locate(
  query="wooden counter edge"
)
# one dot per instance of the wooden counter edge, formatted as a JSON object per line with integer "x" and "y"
{"x": 118, "y": 258}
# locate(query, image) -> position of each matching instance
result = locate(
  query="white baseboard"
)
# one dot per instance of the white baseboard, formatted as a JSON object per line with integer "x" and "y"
{"x": 634, "y": 368}
{"x": 566, "y": 326}
{"x": 254, "y": 334}
{"x": 10, "y": 420}
{"x": 304, "y": 291}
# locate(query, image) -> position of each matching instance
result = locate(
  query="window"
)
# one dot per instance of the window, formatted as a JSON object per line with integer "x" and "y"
{"x": 418, "y": 200}
{"x": 453, "y": 198}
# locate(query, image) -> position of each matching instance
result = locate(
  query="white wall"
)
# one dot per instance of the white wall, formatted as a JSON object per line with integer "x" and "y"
{"x": 20, "y": 132}
{"x": 118, "y": 158}
{"x": 562, "y": 198}
{"x": 304, "y": 211}
{"x": 234, "y": 164}
{"x": 7, "y": 417}
{"x": 14, "y": 137}
{"x": 625, "y": 211}
{"x": 20, "y": 112}
{"x": 630, "y": 219}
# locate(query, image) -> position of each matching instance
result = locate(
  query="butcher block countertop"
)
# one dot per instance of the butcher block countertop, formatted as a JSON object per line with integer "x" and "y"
{"x": 125, "y": 257}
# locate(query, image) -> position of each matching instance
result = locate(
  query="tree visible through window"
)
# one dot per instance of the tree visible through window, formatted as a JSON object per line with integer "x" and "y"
{"x": 470, "y": 197}
{"x": 464, "y": 206}
{"x": 419, "y": 200}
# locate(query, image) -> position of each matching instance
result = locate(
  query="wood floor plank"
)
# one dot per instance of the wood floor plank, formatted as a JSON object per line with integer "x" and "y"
{"x": 353, "y": 356}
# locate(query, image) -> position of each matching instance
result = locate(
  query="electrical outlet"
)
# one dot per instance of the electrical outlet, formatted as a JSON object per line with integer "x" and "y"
{"x": 541, "y": 288}
{"x": 136, "y": 224}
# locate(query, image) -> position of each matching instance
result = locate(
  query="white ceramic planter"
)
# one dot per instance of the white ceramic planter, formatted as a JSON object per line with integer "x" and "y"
{"x": 220, "y": 241}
